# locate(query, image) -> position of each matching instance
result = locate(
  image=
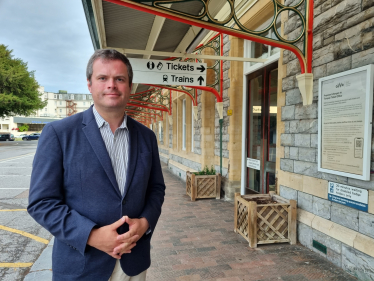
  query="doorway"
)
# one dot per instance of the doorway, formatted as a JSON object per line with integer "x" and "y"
{"x": 262, "y": 129}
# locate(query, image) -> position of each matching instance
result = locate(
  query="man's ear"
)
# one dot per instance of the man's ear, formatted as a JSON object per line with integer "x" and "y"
{"x": 89, "y": 85}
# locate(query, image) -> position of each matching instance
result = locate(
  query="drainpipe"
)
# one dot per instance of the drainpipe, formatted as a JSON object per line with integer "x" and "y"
{"x": 220, "y": 145}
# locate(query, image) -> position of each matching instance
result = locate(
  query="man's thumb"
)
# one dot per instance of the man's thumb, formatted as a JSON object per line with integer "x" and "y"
{"x": 128, "y": 220}
{"x": 118, "y": 223}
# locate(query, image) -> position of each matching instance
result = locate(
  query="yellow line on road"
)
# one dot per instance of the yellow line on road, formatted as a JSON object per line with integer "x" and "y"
{"x": 36, "y": 238}
{"x": 16, "y": 264}
{"x": 13, "y": 210}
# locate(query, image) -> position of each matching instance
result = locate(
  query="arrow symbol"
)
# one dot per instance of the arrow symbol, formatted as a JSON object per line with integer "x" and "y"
{"x": 201, "y": 80}
{"x": 201, "y": 68}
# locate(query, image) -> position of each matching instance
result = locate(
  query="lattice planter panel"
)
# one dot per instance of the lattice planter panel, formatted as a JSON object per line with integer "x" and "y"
{"x": 265, "y": 223}
{"x": 203, "y": 186}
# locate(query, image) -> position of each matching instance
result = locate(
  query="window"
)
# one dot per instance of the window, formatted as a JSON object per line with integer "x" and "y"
{"x": 60, "y": 110}
{"x": 90, "y": 97}
{"x": 160, "y": 131}
{"x": 60, "y": 102}
{"x": 184, "y": 125}
{"x": 192, "y": 126}
{"x": 55, "y": 96}
{"x": 84, "y": 103}
{"x": 84, "y": 97}
{"x": 45, "y": 109}
{"x": 45, "y": 96}
{"x": 71, "y": 97}
{"x": 60, "y": 96}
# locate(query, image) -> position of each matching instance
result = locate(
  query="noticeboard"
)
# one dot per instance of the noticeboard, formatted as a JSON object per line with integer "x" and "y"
{"x": 345, "y": 102}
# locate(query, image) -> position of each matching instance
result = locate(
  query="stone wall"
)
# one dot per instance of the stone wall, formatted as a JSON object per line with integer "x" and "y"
{"x": 343, "y": 40}
{"x": 170, "y": 134}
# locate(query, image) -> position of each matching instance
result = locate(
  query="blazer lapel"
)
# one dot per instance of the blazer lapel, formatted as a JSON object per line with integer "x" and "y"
{"x": 133, "y": 150}
{"x": 94, "y": 137}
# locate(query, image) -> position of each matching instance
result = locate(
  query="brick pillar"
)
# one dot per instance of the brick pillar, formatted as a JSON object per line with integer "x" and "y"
{"x": 235, "y": 93}
{"x": 208, "y": 102}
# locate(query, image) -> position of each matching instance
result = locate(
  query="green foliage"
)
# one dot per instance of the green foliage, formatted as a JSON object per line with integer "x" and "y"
{"x": 18, "y": 88}
{"x": 206, "y": 171}
{"x": 23, "y": 128}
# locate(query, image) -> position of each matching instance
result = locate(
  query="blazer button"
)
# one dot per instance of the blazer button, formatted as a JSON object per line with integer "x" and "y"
{"x": 123, "y": 202}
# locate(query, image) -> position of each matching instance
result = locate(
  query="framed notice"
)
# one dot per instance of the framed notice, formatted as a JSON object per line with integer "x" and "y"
{"x": 345, "y": 102}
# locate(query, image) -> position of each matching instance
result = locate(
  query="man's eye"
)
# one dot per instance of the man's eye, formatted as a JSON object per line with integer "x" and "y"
{"x": 120, "y": 79}
{"x": 101, "y": 78}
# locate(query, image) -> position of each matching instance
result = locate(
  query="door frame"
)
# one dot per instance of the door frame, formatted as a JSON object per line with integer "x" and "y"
{"x": 273, "y": 59}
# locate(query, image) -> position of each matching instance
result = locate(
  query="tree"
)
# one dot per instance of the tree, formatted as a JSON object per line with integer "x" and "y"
{"x": 19, "y": 93}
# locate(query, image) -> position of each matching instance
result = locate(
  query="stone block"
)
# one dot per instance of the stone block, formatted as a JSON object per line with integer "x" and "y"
{"x": 362, "y": 184}
{"x": 226, "y": 65}
{"x": 336, "y": 14}
{"x": 294, "y": 153}
{"x": 366, "y": 4}
{"x": 288, "y": 112}
{"x": 328, "y": 241}
{"x": 293, "y": 97}
{"x": 302, "y": 140}
{"x": 366, "y": 224}
{"x": 357, "y": 263}
{"x": 226, "y": 84}
{"x": 291, "y": 24}
{"x": 287, "y": 139}
{"x": 339, "y": 65}
{"x": 314, "y": 140}
{"x": 286, "y": 165}
{"x": 335, "y": 178}
{"x": 345, "y": 216}
{"x": 293, "y": 68}
{"x": 294, "y": 125}
{"x": 307, "y": 154}
{"x": 288, "y": 193}
{"x": 319, "y": 71}
{"x": 305, "y": 201}
{"x": 322, "y": 207}
{"x": 288, "y": 83}
{"x": 287, "y": 152}
{"x": 317, "y": 39}
{"x": 306, "y": 112}
{"x": 226, "y": 47}
{"x": 363, "y": 58}
{"x": 305, "y": 235}
{"x": 328, "y": 41}
{"x": 286, "y": 127}
{"x": 334, "y": 257}
{"x": 306, "y": 168}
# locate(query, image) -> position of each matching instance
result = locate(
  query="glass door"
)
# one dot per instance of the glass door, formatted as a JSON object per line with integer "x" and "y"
{"x": 262, "y": 129}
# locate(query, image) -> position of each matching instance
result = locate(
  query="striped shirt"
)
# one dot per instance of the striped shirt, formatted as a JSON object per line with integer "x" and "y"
{"x": 117, "y": 145}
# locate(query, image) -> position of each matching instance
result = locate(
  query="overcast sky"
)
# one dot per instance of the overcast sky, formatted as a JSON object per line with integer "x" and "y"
{"x": 52, "y": 37}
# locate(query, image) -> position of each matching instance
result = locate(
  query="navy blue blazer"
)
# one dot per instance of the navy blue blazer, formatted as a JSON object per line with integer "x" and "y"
{"x": 73, "y": 189}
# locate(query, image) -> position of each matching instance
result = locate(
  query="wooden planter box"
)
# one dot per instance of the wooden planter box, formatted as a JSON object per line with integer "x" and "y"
{"x": 203, "y": 186}
{"x": 265, "y": 223}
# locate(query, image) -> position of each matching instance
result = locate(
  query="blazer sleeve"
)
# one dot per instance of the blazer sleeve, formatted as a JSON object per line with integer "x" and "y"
{"x": 155, "y": 190}
{"x": 46, "y": 197}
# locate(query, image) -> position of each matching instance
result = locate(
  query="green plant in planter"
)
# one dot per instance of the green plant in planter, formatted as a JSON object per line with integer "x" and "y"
{"x": 206, "y": 171}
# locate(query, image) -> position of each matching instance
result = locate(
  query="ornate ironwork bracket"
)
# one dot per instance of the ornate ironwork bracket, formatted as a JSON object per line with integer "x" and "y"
{"x": 237, "y": 29}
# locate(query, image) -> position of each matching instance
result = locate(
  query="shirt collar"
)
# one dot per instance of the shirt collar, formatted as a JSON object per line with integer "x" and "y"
{"x": 101, "y": 121}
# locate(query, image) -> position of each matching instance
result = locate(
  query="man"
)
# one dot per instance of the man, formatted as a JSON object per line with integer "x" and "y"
{"x": 97, "y": 183}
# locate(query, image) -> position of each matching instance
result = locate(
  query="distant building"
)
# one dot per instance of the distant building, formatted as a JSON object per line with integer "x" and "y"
{"x": 60, "y": 105}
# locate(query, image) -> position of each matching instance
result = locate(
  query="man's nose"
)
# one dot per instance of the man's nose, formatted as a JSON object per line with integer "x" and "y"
{"x": 112, "y": 83}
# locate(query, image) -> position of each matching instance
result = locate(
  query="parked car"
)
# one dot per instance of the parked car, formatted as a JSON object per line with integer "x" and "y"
{"x": 6, "y": 137}
{"x": 33, "y": 136}
{"x": 21, "y": 135}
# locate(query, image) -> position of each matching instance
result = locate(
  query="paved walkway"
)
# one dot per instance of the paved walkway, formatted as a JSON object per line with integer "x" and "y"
{"x": 195, "y": 241}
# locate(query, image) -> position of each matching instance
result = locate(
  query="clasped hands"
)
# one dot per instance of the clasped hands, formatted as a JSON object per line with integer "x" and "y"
{"x": 107, "y": 239}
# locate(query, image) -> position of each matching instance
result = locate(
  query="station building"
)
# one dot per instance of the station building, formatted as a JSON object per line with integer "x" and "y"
{"x": 265, "y": 117}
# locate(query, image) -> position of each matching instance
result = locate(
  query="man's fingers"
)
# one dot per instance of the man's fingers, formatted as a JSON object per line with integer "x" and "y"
{"x": 118, "y": 223}
{"x": 129, "y": 236}
{"x": 129, "y": 221}
{"x": 124, "y": 248}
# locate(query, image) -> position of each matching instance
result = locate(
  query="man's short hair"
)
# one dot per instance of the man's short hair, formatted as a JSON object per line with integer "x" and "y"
{"x": 108, "y": 54}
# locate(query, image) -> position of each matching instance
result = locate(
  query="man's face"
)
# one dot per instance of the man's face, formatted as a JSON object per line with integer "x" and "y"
{"x": 109, "y": 85}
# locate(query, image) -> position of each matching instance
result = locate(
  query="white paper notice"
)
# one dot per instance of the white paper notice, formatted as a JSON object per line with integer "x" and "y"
{"x": 343, "y": 119}
{"x": 253, "y": 163}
